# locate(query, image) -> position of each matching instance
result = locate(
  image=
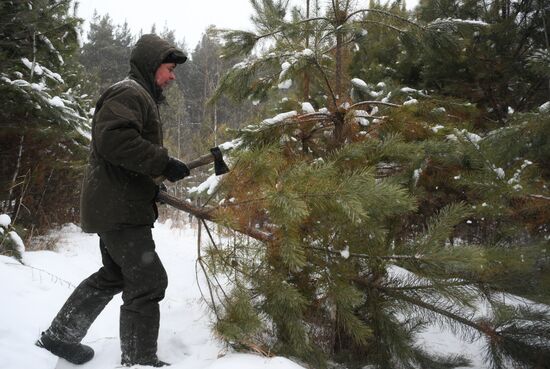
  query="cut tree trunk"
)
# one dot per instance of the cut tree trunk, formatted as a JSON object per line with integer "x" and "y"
{"x": 208, "y": 214}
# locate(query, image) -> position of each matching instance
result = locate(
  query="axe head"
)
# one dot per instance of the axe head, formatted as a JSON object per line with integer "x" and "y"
{"x": 219, "y": 165}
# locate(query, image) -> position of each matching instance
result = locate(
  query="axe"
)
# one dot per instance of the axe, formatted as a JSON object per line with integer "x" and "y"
{"x": 215, "y": 156}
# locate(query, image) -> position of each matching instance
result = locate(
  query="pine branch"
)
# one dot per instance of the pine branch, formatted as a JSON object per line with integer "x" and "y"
{"x": 373, "y": 102}
{"x": 385, "y": 13}
{"x": 399, "y": 30}
{"x": 443, "y": 312}
{"x": 541, "y": 197}
{"x": 327, "y": 82}
{"x": 368, "y": 256}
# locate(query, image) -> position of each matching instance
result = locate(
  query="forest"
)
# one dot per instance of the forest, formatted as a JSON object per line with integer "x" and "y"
{"x": 393, "y": 165}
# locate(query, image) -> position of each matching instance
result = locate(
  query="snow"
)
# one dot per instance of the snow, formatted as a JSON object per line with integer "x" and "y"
{"x": 57, "y": 102}
{"x": 285, "y": 85}
{"x": 52, "y": 75}
{"x": 20, "y": 83}
{"x": 20, "y": 246}
{"x": 545, "y": 108}
{"x": 361, "y": 113}
{"x": 37, "y": 69}
{"x": 436, "y": 129}
{"x": 408, "y": 89}
{"x": 345, "y": 253}
{"x": 517, "y": 175}
{"x": 242, "y": 65}
{"x": 37, "y": 290}
{"x": 38, "y": 86}
{"x": 284, "y": 68}
{"x": 307, "y": 107}
{"x": 411, "y": 102}
{"x": 279, "y": 118}
{"x": 387, "y": 98}
{"x": 500, "y": 173}
{"x": 412, "y": 90}
{"x": 471, "y": 137}
{"x": 229, "y": 145}
{"x": 210, "y": 185}
{"x": 360, "y": 117}
{"x": 443, "y": 21}
{"x": 416, "y": 175}
{"x": 359, "y": 83}
{"x": 52, "y": 48}
{"x": 5, "y": 220}
{"x": 307, "y": 53}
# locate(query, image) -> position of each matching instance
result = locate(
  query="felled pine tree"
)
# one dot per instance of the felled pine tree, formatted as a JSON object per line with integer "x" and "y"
{"x": 338, "y": 275}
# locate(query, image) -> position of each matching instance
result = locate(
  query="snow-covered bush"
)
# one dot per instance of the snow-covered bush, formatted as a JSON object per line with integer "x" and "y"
{"x": 10, "y": 242}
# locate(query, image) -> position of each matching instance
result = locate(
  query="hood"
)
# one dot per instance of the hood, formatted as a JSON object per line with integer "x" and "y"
{"x": 147, "y": 55}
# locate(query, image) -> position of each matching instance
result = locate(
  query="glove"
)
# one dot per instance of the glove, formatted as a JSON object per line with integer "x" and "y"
{"x": 175, "y": 170}
{"x": 160, "y": 188}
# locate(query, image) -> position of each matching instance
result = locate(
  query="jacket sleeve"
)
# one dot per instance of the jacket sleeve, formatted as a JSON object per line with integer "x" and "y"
{"x": 118, "y": 128}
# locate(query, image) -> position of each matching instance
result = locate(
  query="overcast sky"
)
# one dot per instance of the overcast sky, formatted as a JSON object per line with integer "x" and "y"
{"x": 189, "y": 19}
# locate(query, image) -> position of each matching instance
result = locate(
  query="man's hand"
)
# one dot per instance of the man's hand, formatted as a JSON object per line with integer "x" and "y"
{"x": 160, "y": 188}
{"x": 175, "y": 170}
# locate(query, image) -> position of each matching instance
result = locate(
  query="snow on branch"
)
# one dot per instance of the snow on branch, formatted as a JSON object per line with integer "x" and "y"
{"x": 52, "y": 48}
{"x": 235, "y": 42}
{"x": 454, "y": 22}
{"x": 62, "y": 108}
{"x": 40, "y": 70}
{"x": 279, "y": 118}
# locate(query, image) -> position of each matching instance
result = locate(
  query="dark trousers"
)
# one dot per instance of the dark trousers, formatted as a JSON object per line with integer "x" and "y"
{"x": 130, "y": 266}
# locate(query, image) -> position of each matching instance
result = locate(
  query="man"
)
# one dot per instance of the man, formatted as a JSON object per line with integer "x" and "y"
{"x": 118, "y": 203}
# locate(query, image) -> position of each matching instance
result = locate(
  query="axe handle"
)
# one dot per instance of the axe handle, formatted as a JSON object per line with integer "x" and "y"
{"x": 199, "y": 162}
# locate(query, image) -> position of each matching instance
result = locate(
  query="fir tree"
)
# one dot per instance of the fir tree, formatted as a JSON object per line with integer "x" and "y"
{"x": 43, "y": 114}
{"x": 106, "y": 52}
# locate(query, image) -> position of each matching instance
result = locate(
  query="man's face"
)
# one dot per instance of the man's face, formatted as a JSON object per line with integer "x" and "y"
{"x": 165, "y": 74}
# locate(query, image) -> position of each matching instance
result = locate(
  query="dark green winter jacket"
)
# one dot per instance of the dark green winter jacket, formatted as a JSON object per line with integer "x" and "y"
{"x": 126, "y": 149}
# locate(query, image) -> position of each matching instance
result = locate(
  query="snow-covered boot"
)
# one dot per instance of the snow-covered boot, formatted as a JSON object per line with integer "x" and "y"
{"x": 75, "y": 353}
{"x": 155, "y": 363}
{"x": 138, "y": 338}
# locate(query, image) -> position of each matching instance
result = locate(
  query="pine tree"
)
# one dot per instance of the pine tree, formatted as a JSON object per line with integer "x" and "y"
{"x": 355, "y": 257}
{"x": 502, "y": 66}
{"x": 379, "y": 54}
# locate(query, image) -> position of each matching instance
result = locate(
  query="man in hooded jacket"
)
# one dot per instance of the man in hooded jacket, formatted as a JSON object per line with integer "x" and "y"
{"x": 118, "y": 203}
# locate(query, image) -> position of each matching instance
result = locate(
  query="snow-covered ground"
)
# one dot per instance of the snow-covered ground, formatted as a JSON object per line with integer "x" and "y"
{"x": 32, "y": 294}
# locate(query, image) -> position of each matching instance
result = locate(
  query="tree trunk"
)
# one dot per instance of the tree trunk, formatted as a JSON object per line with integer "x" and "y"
{"x": 8, "y": 207}
{"x": 306, "y": 74}
{"x": 208, "y": 214}
{"x": 543, "y": 10}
